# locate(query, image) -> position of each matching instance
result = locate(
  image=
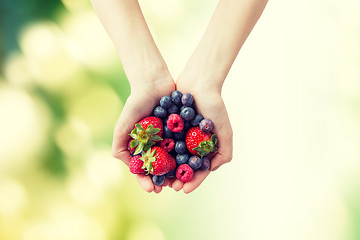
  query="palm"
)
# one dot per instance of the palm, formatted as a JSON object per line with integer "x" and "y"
{"x": 211, "y": 105}
{"x": 139, "y": 105}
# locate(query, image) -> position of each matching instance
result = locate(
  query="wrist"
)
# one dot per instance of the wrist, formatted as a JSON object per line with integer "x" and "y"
{"x": 152, "y": 80}
{"x": 197, "y": 81}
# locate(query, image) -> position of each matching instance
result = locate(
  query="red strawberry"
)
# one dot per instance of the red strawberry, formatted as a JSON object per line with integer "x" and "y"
{"x": 200, "y": 143}
{"x": 136, "y": 165}
{"x": 158, "y": 161}
{"x": 146, "y": 133}
{"x": 155, "y": 121}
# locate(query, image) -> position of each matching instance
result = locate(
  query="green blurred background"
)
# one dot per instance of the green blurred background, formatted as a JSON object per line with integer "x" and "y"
{"x": 296, "y": 167}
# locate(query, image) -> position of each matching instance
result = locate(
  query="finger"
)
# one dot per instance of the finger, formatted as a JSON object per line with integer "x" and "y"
{"x": 145, "y": 182}
{"x": 157, "y": 189}
{"x": 171, "y": 181}
{"x": 195, "y": 182}
{"x": 219, "y": 160}
{"x": 177, "y": 185}
{"x": 131, "y": 113}
{"x": 124, "y": 155}
{"x": 166, "y": 182}
{"x": 225, "y": 148}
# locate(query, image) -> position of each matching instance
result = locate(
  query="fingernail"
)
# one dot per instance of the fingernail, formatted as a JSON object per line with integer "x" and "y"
{"x": 215, "y": 169}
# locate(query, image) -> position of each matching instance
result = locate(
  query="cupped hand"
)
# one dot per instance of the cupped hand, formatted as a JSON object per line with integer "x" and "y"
{"x": 210, "y": 104}
{"x": 140, "y": 104}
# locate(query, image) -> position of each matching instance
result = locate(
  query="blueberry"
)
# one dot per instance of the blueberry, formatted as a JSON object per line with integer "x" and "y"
{"x": 187, "y": 125}
{"x": 198, "y": 118}
{"x": 181, "y": 158}
{"x": 206, "y": 125}
{"x": 167, "y": 133}
{"x": 160, "y": 112}
{"x": 165, "y": 102}
{"x": 164, "y": 120}
{"x": 158, "y": 180}
{"x": 187, "y": 99}
{"x": 180, "y": 147}
{"x": 182, "y": 107}
{"x": 188, "y": 114}
{"x": 195, "y": 162}
{"x": 173, "y": 109}
{"x": 180, "y": 135}
{"x": 176, "y": 97}
{"x": 171, "y": 174}
{"x": 205, "y": 163}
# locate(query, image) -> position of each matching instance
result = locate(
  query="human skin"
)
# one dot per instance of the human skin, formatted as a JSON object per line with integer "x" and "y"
{"x": 209, "y": 66}
{"x": 144, "y": 66}
{"x": 203, "y": 75}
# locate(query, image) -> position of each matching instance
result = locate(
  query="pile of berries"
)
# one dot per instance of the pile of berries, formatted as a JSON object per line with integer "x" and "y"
{"x": 173, "y": 142}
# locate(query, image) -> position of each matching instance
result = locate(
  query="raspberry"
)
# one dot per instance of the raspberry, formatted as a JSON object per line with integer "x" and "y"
{"x": 175, "y": 123}
{"x": 167, "y": 144}
{"x": 136, "y": 164}
{"x": 184, "y": 173}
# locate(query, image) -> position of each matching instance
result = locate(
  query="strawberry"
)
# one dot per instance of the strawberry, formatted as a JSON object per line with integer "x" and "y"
{"x": 200, "y": 143}
{"x": 157, "y": 161}
{"x": 146, "y": 133}
{"x": 136, "y": 165}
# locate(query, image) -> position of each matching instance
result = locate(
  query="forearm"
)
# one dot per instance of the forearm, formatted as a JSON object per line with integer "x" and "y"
{"x": 227, "y": 31}
{"x": 126, "y": 26}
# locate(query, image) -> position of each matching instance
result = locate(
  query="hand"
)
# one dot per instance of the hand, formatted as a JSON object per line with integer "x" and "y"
{"x": 141, "y": 102}
{"x": 209, "y": 103}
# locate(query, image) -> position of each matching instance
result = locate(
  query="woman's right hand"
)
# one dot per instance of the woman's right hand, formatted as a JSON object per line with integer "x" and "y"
{"x": 141, "y": 102}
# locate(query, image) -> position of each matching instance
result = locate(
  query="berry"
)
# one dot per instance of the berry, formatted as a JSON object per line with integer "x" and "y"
{"x": 195, "y": 162}
{"x": 181, "y": 158}
{"x": 158, "y": 180}
{"x": 146, "y": 133}
{"x": 167, "y": 132}
{"x": 176, "y": 97}
{"x": 200, "y": 143}
{"x": 173, "y": 109}
{"x": 188, "y": 114}
{"x": 187, "y": 99}
{"x": 206, "y": 125}
{"x": 205, "y": 163}
{"x": 167, "y": 144}
{"x": 171, "y": 174}
{"x": 198, "y": 118}
{"x": 136, "y": 165}
{"x": 180, "y": 147}
{"x": 184, "y": 173}
{"x": 187, "y": 126}
{"x": 157, "y": 161}
{"x": 160, "y": 112}
{"x": 165, "y": 102}
{"x": 182, "y": 107}
{"x": 175, "y": 123}
{"x": 180, "y": 135}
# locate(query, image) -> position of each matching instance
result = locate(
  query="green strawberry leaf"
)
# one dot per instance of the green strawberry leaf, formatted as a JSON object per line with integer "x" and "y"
{"x": 148, "y": 158}
{"x": 139, "y": 127}
{"x": 150, "y": 128}
{"x": 214, "y": 139}
{"x": 133, "y": 133}
{"x": 156, "y": 138}
{"x": 134, "y": 143}
{"x": 139, "y": 148}
{"x": 153, "y": 131}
